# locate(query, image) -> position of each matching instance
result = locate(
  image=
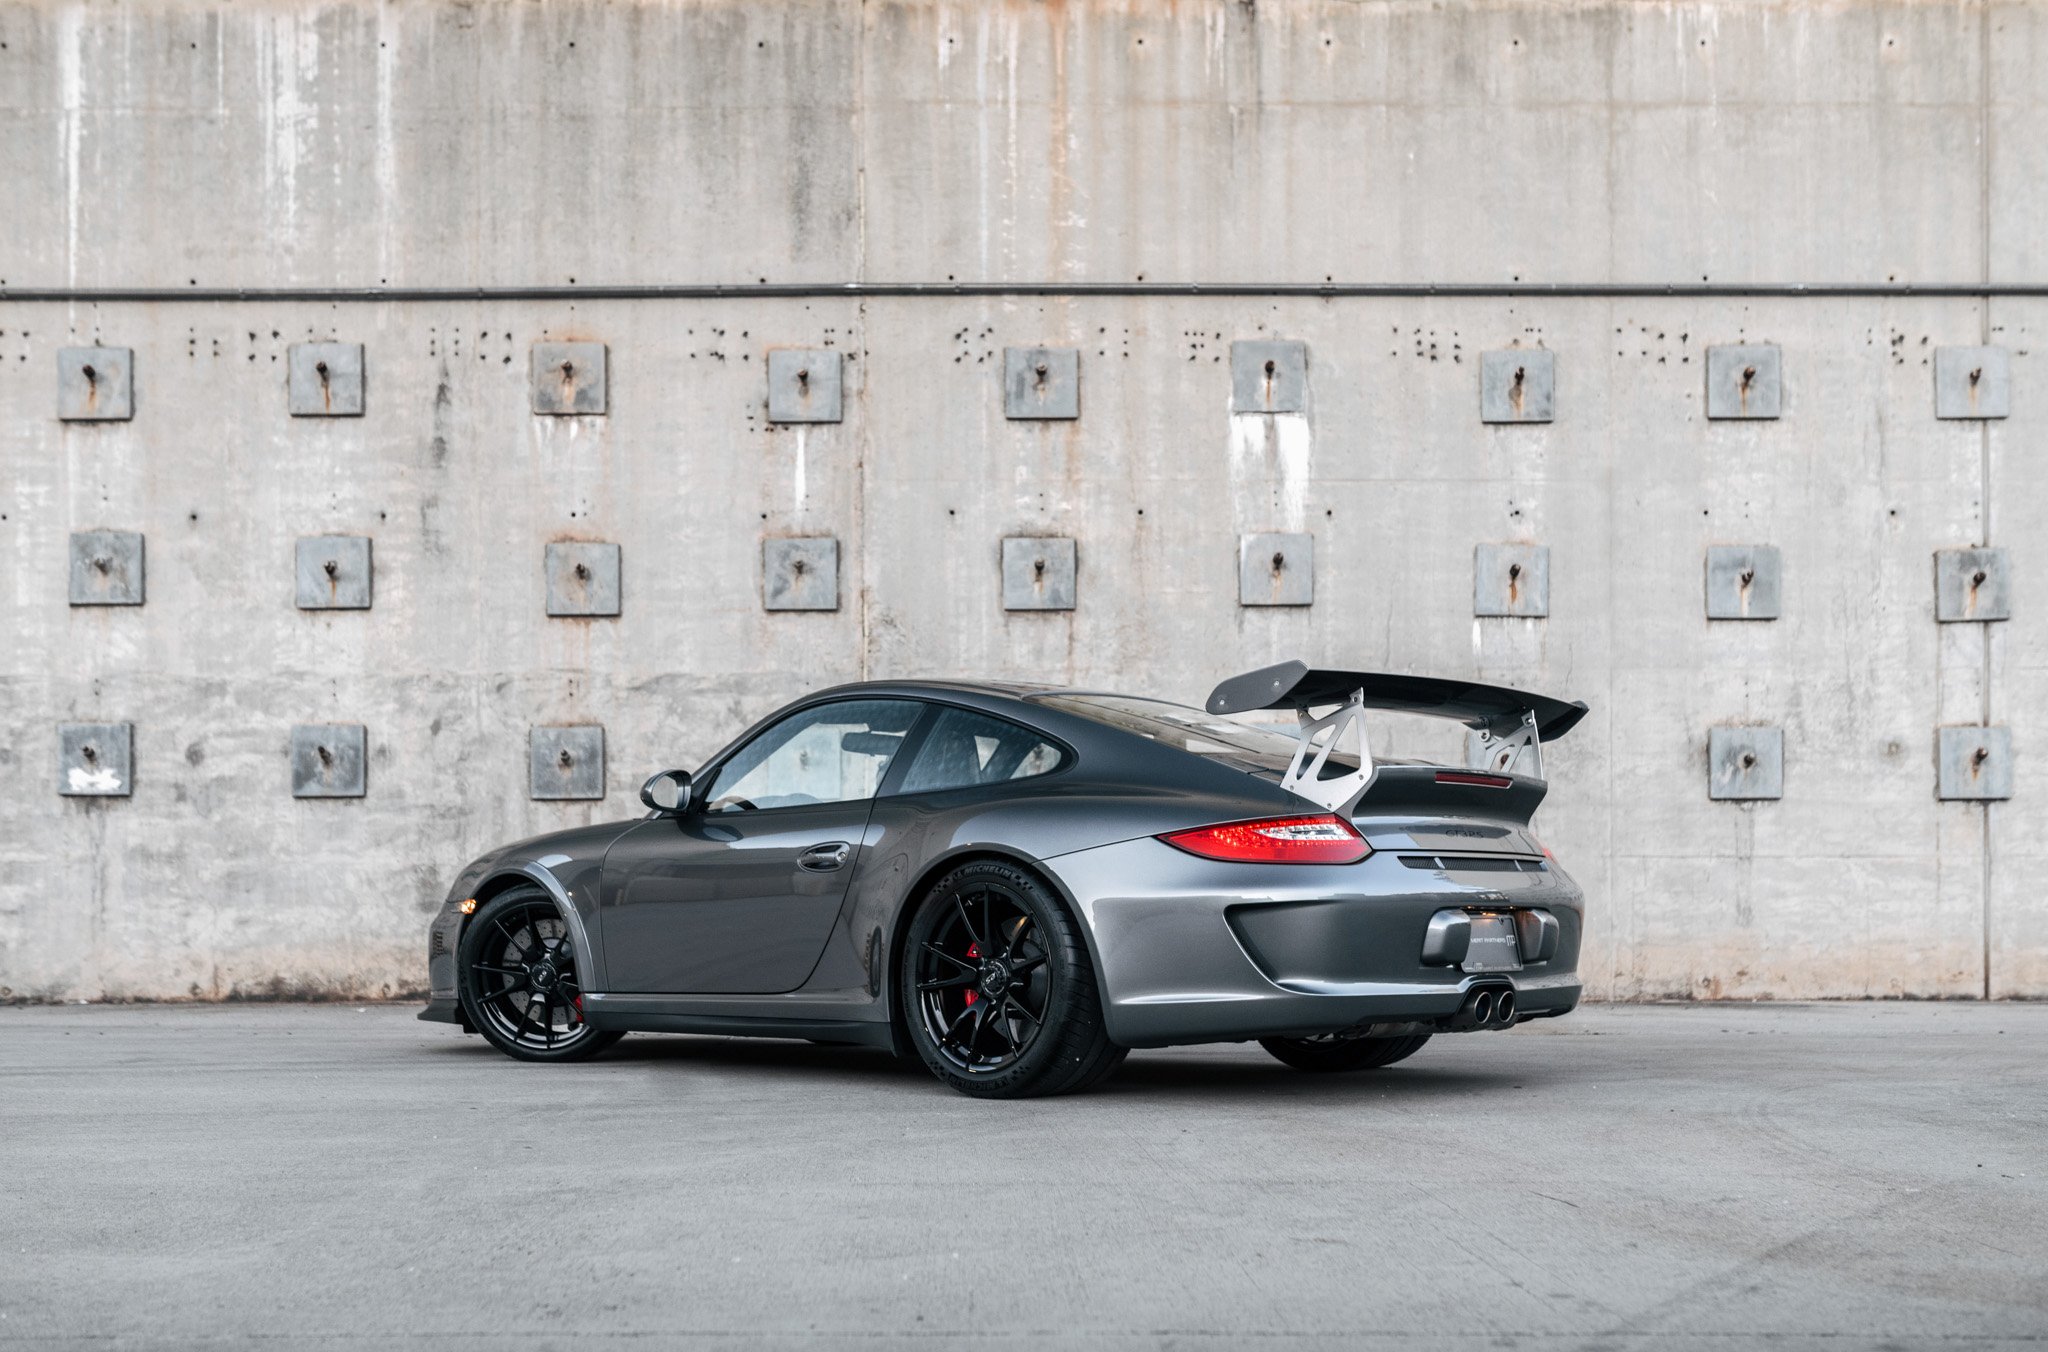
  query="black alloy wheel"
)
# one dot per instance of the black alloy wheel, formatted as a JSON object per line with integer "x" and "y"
{"x": 998, "y": 990}
{"x": 521, "y": 982}
{"x": 981, "y": 981}
{"x": 1331, "y": 1051}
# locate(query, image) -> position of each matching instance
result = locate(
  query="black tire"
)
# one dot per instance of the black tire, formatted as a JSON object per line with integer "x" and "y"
{"x": 1343, "y": 1053}
{"x": 990, "y": 937}
{"x": 520, "y": 981}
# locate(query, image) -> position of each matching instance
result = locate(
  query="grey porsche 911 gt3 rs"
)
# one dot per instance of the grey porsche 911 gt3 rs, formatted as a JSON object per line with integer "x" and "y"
{"x": 1017, "y": 884}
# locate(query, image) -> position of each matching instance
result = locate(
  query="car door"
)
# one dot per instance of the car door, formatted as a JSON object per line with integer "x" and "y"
{"x": 739, "y": 894}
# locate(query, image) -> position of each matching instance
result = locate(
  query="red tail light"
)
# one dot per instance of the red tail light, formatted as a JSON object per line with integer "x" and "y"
{"x": 1321, "y": 839}
{"x": 1467, "y": 777}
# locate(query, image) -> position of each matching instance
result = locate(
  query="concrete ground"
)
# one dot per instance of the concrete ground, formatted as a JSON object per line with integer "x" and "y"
{"x": 1834, "y": 1176}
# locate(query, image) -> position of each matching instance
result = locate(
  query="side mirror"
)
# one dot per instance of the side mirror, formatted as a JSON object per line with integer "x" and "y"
{"x": 667, "y": 792}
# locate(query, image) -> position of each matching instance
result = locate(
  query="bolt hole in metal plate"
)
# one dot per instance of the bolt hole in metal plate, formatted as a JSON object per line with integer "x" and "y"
{"x": 582, "y": 578}
{"x": 325, "y": 380}
{"x": 106, "y": 568}
{"x": 1972, "y": 585}
{"x": 1038, "y": 573}
{"x": 800, "y": 574}
{"x": 1268, "y": 377}
{"x": 803, "y": 385}
{"x": 569, "y": 379}
{"x": 95, "y": 384}
{"x": 94, "y": 760}
{"x": 332, "y": 572}
{"x": 1743, "y": 582}
{"x": 1041, "y": 382}
{"x": 1511, "y": 580}
{"x": 1276, "y": 569}
{"x": 1972, "y": 382}
{"x": 1745, "y": 764}
{"x": 1517, "y": 385}
{"x": 1495, "y": 946}
{"x": 566, "y": 763}
{"x": 1974, "y": 764}
{"x": 1744, "y": 381}
{"x": 328, "y": 760}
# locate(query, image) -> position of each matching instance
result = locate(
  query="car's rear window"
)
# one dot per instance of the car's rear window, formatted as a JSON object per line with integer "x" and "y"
{"x": 964, "y": 749}
{"x": 1184, "y": 728}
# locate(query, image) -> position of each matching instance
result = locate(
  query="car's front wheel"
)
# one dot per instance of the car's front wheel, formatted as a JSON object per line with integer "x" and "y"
{"x": 522, "y": 983}
{"x": 998, "y": 989}
{"x": 1343, "y": 1053}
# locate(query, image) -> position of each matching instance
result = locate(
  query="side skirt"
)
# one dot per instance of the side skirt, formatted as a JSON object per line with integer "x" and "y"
{"x": 866, "y": 1033}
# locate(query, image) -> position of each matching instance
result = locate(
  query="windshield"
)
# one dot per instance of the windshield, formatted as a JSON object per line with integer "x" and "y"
{"x": 1188, "y": 729}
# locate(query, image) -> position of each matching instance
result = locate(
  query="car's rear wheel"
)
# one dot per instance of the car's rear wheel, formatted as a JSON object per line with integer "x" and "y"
{"x": 998, "y": 989}
{"x": 522, "y": 981}
{"x": 1332, "y": 1052}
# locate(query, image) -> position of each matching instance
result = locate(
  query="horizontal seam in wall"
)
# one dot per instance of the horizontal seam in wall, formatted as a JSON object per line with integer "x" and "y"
{"x": 856, "y": 290}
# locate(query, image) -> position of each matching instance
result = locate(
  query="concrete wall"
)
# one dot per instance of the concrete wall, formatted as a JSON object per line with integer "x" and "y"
{"x": 299, "y": 145}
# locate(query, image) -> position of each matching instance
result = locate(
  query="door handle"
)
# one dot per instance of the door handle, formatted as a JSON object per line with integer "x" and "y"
{"x": 824, "y": 858}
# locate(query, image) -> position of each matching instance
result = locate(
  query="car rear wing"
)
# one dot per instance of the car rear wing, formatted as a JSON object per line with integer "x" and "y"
{"x": 1512, "y": 725}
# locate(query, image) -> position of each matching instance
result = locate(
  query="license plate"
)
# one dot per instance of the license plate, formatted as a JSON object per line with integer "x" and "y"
{"x": 1494, "y": 945}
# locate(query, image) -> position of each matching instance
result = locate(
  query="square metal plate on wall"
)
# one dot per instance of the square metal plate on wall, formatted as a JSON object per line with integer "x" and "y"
{"x": 95, "y": 760}
{"x": 1268, "y": 376}
{"x": 1972, "y": 584}
{"x": 803, "y": 385}
{"x": 329, "y": 760}
{"x": 1038, "y": 572}
{"x": 1518, "y": 385}
{"x": 106, "y": 568}
{"x": 583, "y": 578}
{"x": 332, "y": 572}
{"x": 565, "y": 763}
{"x": 1745, "y": 763}
{"x": 95, "y": 384}
{"x": 1041, "y": 382}
{"x": 1974, "y": 764}
{"x": 1743, "y": 582}
{"x": 569, "y": 379}
{"x": 1972, "y": 382}
{"x": 1511, "y": 580}
{"x": 325, "y": 380}
{"x": 1276, "y": 569}
{"x": 1744, "y": 381}
{"x": 800, "y": 573}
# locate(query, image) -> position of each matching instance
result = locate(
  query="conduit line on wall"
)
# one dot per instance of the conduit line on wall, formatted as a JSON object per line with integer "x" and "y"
{"x": 212, "y": 295}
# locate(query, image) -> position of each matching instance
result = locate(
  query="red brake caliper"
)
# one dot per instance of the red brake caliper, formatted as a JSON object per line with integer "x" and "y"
{"x": 973, "y": 951}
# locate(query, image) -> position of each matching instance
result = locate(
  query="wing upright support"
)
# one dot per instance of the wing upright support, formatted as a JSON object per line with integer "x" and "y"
{"x": 1318, "y": 737}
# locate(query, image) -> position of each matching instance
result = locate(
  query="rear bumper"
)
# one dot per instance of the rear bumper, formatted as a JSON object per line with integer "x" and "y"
{"x": 1166, "y": 1022}
{"x": 1192, "y": 950}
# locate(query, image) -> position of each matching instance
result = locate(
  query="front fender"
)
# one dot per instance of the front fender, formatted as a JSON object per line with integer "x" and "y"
{"x": 569, "y": 897}
{"x": 570, "y": 866}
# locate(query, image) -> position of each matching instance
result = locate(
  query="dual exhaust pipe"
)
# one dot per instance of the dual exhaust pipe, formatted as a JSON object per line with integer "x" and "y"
{"x": 1486, "y": 1007}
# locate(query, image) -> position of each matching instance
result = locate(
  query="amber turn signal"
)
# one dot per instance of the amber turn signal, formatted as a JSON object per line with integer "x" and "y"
{"x": 469, "y": 905}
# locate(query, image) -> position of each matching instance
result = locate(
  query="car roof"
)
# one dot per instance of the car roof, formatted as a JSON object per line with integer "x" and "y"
{"x": 1021, "y": 691}
{"x": 934, "y": 685}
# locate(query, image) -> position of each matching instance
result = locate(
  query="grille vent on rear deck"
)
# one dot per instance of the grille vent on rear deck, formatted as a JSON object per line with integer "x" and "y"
{"x": 1475, "y": 863}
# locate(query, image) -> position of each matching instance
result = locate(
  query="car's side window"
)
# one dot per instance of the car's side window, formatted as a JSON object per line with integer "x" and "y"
{"x": 965, "y": 748}
{"x": 830, "y": 753}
